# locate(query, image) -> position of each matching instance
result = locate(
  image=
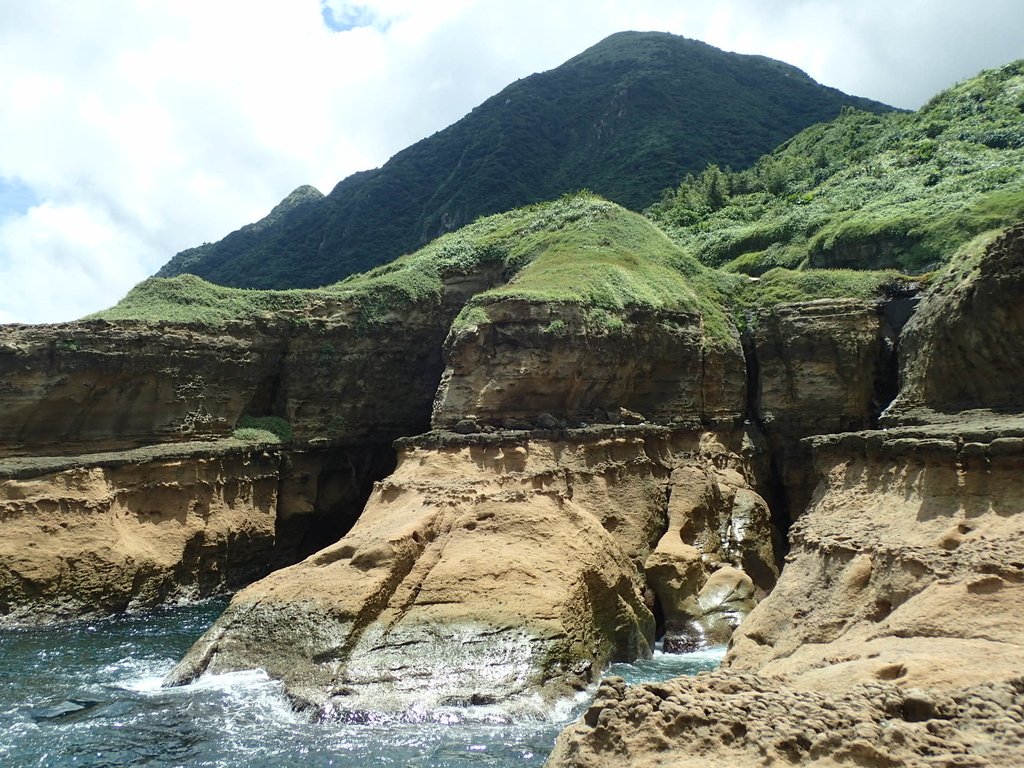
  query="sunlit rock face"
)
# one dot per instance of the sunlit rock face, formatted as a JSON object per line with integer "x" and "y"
{"x": 703, "y": 570}
{"x": 561, "y": 360}
{"x": 101, "y": 533}
{"x": 893, "y": 635}
{"x": 501, "y": 571}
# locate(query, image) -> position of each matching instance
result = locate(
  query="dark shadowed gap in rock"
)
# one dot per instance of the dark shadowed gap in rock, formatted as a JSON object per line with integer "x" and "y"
{"x": 321, "y": 495}
{"x": 264, "y": 397}
{"x": 659, "y": 617}
{"x": 896, "y": 311}
{"x": 773, "y": 487}
{"x": 270, "y": 396}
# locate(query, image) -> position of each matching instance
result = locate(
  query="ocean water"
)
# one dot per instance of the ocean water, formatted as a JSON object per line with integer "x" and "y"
{"x": 89, "y": 694}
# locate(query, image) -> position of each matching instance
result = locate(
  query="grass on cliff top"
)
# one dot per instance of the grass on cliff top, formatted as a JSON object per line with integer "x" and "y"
{"x": 580, "y": 249}
{"x": 866, "y": 191}
{"x": 189, "y": 299}
{"x": 606, "y": 260}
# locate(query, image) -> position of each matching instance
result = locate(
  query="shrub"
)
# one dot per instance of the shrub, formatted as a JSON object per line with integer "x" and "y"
{"x": 275, "y": 426}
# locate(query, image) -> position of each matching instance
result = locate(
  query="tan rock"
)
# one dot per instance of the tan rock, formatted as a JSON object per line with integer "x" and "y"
{"x": 91, "y": 386}
{"x": 94, "y": 539}
{"x": 485, "y": 570}
{"x": 713, "y": 521}
{"x": 888, "y": 640}
{"x": 471, "y": 577}
{"x": 101, "y": 533}
{"x": 560, "y": 360}
{"x": 821, "y": 367}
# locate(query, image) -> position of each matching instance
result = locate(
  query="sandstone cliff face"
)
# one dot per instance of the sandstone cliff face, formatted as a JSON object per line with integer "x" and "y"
{"x": 893, "y": 636}
{"x": 97, "y": 534}
{"x": 97, "y": 386}
{"x": 820, "y": 367}
{"x": 964, "y": 348}
{"x": 100, "y": 537}
{"x": 584, "y": 366}
{"x": 486, "y": 568}
{"x": 908, "y": 565}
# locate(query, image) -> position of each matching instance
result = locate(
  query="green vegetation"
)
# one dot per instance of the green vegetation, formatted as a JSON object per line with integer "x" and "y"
{"x": 897, "y": 190}
{"x": 780, "y": 286}
{"x": 188, "y": 299}
{"x": 586, "y": 251}
{"x": 626, "y": 118}
{"x": 578, "y": 250}
{"x": 263, "y": 429}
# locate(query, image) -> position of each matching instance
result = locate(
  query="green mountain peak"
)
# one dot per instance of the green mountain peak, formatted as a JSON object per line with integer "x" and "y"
{"x": 627, "y": 118}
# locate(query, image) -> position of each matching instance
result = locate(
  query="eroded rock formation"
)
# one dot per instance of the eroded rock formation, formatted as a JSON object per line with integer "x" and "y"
{"x": 578, "y": 365}
{"x": 893, "y": 636}
{"x": 485, "y": 570}
{"x": 101, "y": 533}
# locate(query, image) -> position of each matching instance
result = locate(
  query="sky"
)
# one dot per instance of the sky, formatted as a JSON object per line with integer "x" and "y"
{"x": 132, "y": 129}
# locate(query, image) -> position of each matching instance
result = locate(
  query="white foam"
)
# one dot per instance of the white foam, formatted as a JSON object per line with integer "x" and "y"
{"x": 711, "y": 653}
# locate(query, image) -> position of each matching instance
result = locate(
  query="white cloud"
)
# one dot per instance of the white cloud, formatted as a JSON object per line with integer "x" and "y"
{"x": 145, "y": 128}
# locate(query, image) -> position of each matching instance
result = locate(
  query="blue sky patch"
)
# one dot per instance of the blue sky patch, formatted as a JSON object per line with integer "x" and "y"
{"x": 15, "y": 198}
{"x": 346, "y": 17}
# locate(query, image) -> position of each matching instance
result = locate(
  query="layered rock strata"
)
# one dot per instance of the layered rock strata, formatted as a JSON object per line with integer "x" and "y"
{"x": 750, "y": 721}
{"x": 893, "y": 637}
{"x": 894, "y": 634}
{"x": 818, "y": 367}
{"x": 571, "y": 364}
{"x": 98, "y": 386}
{"x": 486, "y": 570}
{"x": 964, "y": 347}
{"x": 97, "y": 534}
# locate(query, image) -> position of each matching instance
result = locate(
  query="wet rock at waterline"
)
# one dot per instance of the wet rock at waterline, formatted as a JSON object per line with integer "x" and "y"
{"x": 487, "y": 570}
{"x": 703, "y": 569}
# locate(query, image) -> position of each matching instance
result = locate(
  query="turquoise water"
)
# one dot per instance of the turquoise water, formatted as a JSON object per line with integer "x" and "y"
{"x": 89, "y": 695}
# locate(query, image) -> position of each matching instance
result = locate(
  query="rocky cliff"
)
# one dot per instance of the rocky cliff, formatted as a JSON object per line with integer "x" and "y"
{"x": 488, "y": 568}
{"x": 101, "y": 533}
{"x": 589, "y": 473}
{"x": 623, "y": 436}
{"x": 893, "y": 634}
{"x": 97, "y": 385}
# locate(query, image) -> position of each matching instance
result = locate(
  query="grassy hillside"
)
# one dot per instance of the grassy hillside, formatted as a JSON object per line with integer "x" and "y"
{"x": 579, "y": 249}
{"x": 866, "y": 191}
{"x": 626, "y": 118}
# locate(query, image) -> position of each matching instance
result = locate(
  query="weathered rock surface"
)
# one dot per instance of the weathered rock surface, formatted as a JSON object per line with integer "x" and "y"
{"x": 485, "y": 570}
{"x": 820, "y": 367}
{"x": 893, "y": 637}
{"x": 98, "y": 534}
{"x": 581, "y": 366}
{"x": 703, "y": 570}
{"x": 97, "y": 386}
{"x": 964, "y": 347}
{"x": 142, "y": 391}
{"x": 909, "y": 563}
{"x": 97, "y": 538}
{"x": 894, "y": 634}
{"x": 750, "y": 721}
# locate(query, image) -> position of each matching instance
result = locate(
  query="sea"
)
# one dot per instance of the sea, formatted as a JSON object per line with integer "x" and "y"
{"x": 89, "y": 694}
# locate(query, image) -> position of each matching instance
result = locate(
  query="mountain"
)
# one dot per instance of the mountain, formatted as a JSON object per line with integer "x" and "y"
{"x": 626, "y": 118}
{"x": 896, "y": 190}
